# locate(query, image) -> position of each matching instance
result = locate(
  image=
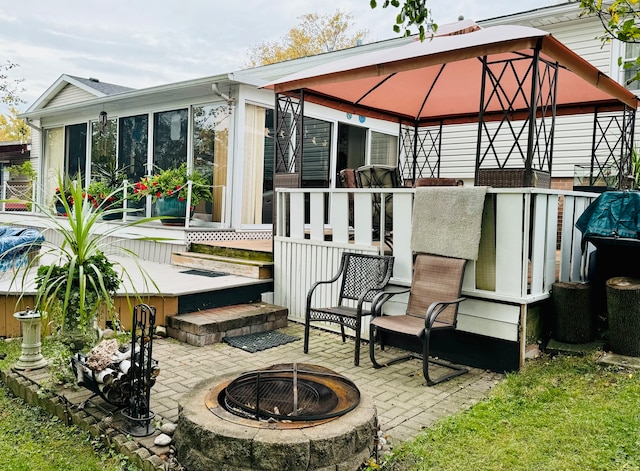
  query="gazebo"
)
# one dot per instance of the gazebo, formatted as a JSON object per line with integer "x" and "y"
{"x": 518, "y": 78}
{"x": 512, "y": 82}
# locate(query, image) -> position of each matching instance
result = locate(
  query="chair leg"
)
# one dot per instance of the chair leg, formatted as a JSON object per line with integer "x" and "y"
{"x": 455, "y": 369}
{"x": 372, "y": 343}
{"x": 356, "y": 359}
{"x": 373, "y": 330}
{"x": 306, "y": 333}
{"x": 344, "y": 337}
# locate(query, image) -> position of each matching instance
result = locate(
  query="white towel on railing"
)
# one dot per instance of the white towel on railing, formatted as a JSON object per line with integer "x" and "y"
{"x": 447, "y": 221}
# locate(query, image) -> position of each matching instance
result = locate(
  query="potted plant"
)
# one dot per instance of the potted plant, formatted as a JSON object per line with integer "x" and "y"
{"x": 62, "y": 201}
{"x": 79, "y": 288}
{"x": 169, "y": 190}
{"x": 106, "y": 190}
{"x": 103, "y": 196}
{"x": 78, "y": 279}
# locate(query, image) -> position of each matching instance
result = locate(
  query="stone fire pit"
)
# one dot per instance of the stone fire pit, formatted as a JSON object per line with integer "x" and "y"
{"x": 211, "y": 437}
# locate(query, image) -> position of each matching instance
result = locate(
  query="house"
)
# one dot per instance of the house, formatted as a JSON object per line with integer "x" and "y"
{"x": 226, "y": 126}
{"x": 220, "y": 125}
{"x": 163, "y": 125}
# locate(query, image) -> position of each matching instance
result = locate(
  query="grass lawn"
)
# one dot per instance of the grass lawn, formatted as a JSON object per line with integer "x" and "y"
{"x": 557, "y": 413}
{"x": 30, "y": 439}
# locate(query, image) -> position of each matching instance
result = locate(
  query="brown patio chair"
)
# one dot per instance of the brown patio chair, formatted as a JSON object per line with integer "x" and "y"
{"x": 434, "y": 297}
{"x": 361, "y": 277}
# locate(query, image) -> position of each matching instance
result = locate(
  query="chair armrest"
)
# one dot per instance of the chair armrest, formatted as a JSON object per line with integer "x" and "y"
{"x": 435, "y": 309}
{"x": 383, "y": 296}
{"x": 315, "y": 285}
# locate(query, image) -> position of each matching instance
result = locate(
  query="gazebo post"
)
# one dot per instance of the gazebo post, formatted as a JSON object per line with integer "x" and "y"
{"x": 533, "y": 100}
{"x": 611, "y": 148}
{"x": 540, "y": 76}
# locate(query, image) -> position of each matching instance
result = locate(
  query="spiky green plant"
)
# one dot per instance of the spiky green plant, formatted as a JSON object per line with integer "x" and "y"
{"x": 76, "y": 278}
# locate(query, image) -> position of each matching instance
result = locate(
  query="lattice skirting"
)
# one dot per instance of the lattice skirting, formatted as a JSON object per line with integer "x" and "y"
{"x": 206, "y": 236}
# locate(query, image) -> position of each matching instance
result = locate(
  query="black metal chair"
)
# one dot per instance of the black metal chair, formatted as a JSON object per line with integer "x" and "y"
{"x": 434, "y": 298}
{"x": 361, "y": 278}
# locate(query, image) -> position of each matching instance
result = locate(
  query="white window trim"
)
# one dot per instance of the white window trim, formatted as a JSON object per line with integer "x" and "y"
{"x": 618, "y": 49}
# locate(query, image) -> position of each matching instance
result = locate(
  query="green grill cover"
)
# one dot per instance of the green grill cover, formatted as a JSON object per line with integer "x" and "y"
{"x": 613, "y": 214}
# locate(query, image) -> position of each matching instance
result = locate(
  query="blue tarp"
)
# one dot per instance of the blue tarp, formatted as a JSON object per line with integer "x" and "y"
{"x": 613, "y": 214}
{"x": 15, "y": 243}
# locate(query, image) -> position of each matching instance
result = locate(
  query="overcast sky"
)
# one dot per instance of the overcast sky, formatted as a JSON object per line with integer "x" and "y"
{"x": 140, "y": 43}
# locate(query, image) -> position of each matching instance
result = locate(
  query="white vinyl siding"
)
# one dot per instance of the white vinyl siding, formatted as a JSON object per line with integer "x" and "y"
{"x": 581, "y": 36}
{"x": 573, "y": 134}
{"x": 68, "y": 95}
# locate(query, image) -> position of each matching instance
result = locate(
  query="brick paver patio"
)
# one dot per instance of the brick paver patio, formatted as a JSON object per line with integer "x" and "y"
{"x": 404, "y": 404}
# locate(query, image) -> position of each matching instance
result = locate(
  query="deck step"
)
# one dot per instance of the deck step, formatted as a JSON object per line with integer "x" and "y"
{"x": 259, "y": 251}
{"x": 212, "y": 325}
{"x": 234, "y": 266}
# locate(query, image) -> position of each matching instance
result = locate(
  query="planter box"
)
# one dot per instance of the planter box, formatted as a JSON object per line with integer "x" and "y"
{"x": 513, "y": 178}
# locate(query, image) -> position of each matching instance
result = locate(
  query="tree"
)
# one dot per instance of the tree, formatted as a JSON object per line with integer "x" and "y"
{"x": 412, "y": 12}
{"x": 314, "y": 35}
{"x": 620, "y": 21}
{"x": 9, "y": 88}
{"x": 12, "y": 128}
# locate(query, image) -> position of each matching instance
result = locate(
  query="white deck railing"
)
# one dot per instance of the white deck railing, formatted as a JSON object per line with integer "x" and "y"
{"x": 525, "y": 246}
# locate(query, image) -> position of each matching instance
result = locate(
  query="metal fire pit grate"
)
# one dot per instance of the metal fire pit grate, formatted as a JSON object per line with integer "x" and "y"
{"x": 292, "y": 392}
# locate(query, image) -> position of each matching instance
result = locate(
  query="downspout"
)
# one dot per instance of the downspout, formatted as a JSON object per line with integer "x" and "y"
{"x": 32, "y": 126}
{"x": 35, "y": 190}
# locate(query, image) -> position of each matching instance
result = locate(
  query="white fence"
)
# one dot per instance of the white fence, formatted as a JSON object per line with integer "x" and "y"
{"x": 525, "y": 247}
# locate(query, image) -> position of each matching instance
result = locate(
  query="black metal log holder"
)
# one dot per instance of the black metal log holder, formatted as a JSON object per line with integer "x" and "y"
{"x": 115, "y": 397}
{"x": 142, "y": 373}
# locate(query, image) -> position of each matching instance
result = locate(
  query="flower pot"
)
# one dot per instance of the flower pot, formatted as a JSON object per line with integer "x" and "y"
{"x": 60, "y": 209}
{"x": 112, "y": 216}
{"x": 171, "y": 211}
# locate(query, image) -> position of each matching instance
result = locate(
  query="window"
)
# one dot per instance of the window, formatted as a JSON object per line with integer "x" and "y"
{"x": 170, "y": 138}
{"x": 211, "y": 154}
{"x": 257, "y": 201}
{"x": 631, "y": 53}
{"x": 133, "y": 145}
{"x": 316, "y": 149}
{"x": 103, "y": 147}
{"x": 76, "y": 150}
{"x": 384, "y": 149}
{"x": 53, "y": 160}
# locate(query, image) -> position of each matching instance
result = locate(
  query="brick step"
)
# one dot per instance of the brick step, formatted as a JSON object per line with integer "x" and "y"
{"x": 235, "y": 266}
{"x": 212, "y": 325}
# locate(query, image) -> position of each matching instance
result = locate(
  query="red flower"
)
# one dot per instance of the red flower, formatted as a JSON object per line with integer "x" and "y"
{"x": 181, "y": 199}
{"x": 159, "y": 194}
{"x": 169, "y": 192}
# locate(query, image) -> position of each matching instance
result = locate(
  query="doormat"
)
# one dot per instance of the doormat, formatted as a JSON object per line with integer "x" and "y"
{"x": 260, "y": 340}
{"x": 210, "y": 274}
